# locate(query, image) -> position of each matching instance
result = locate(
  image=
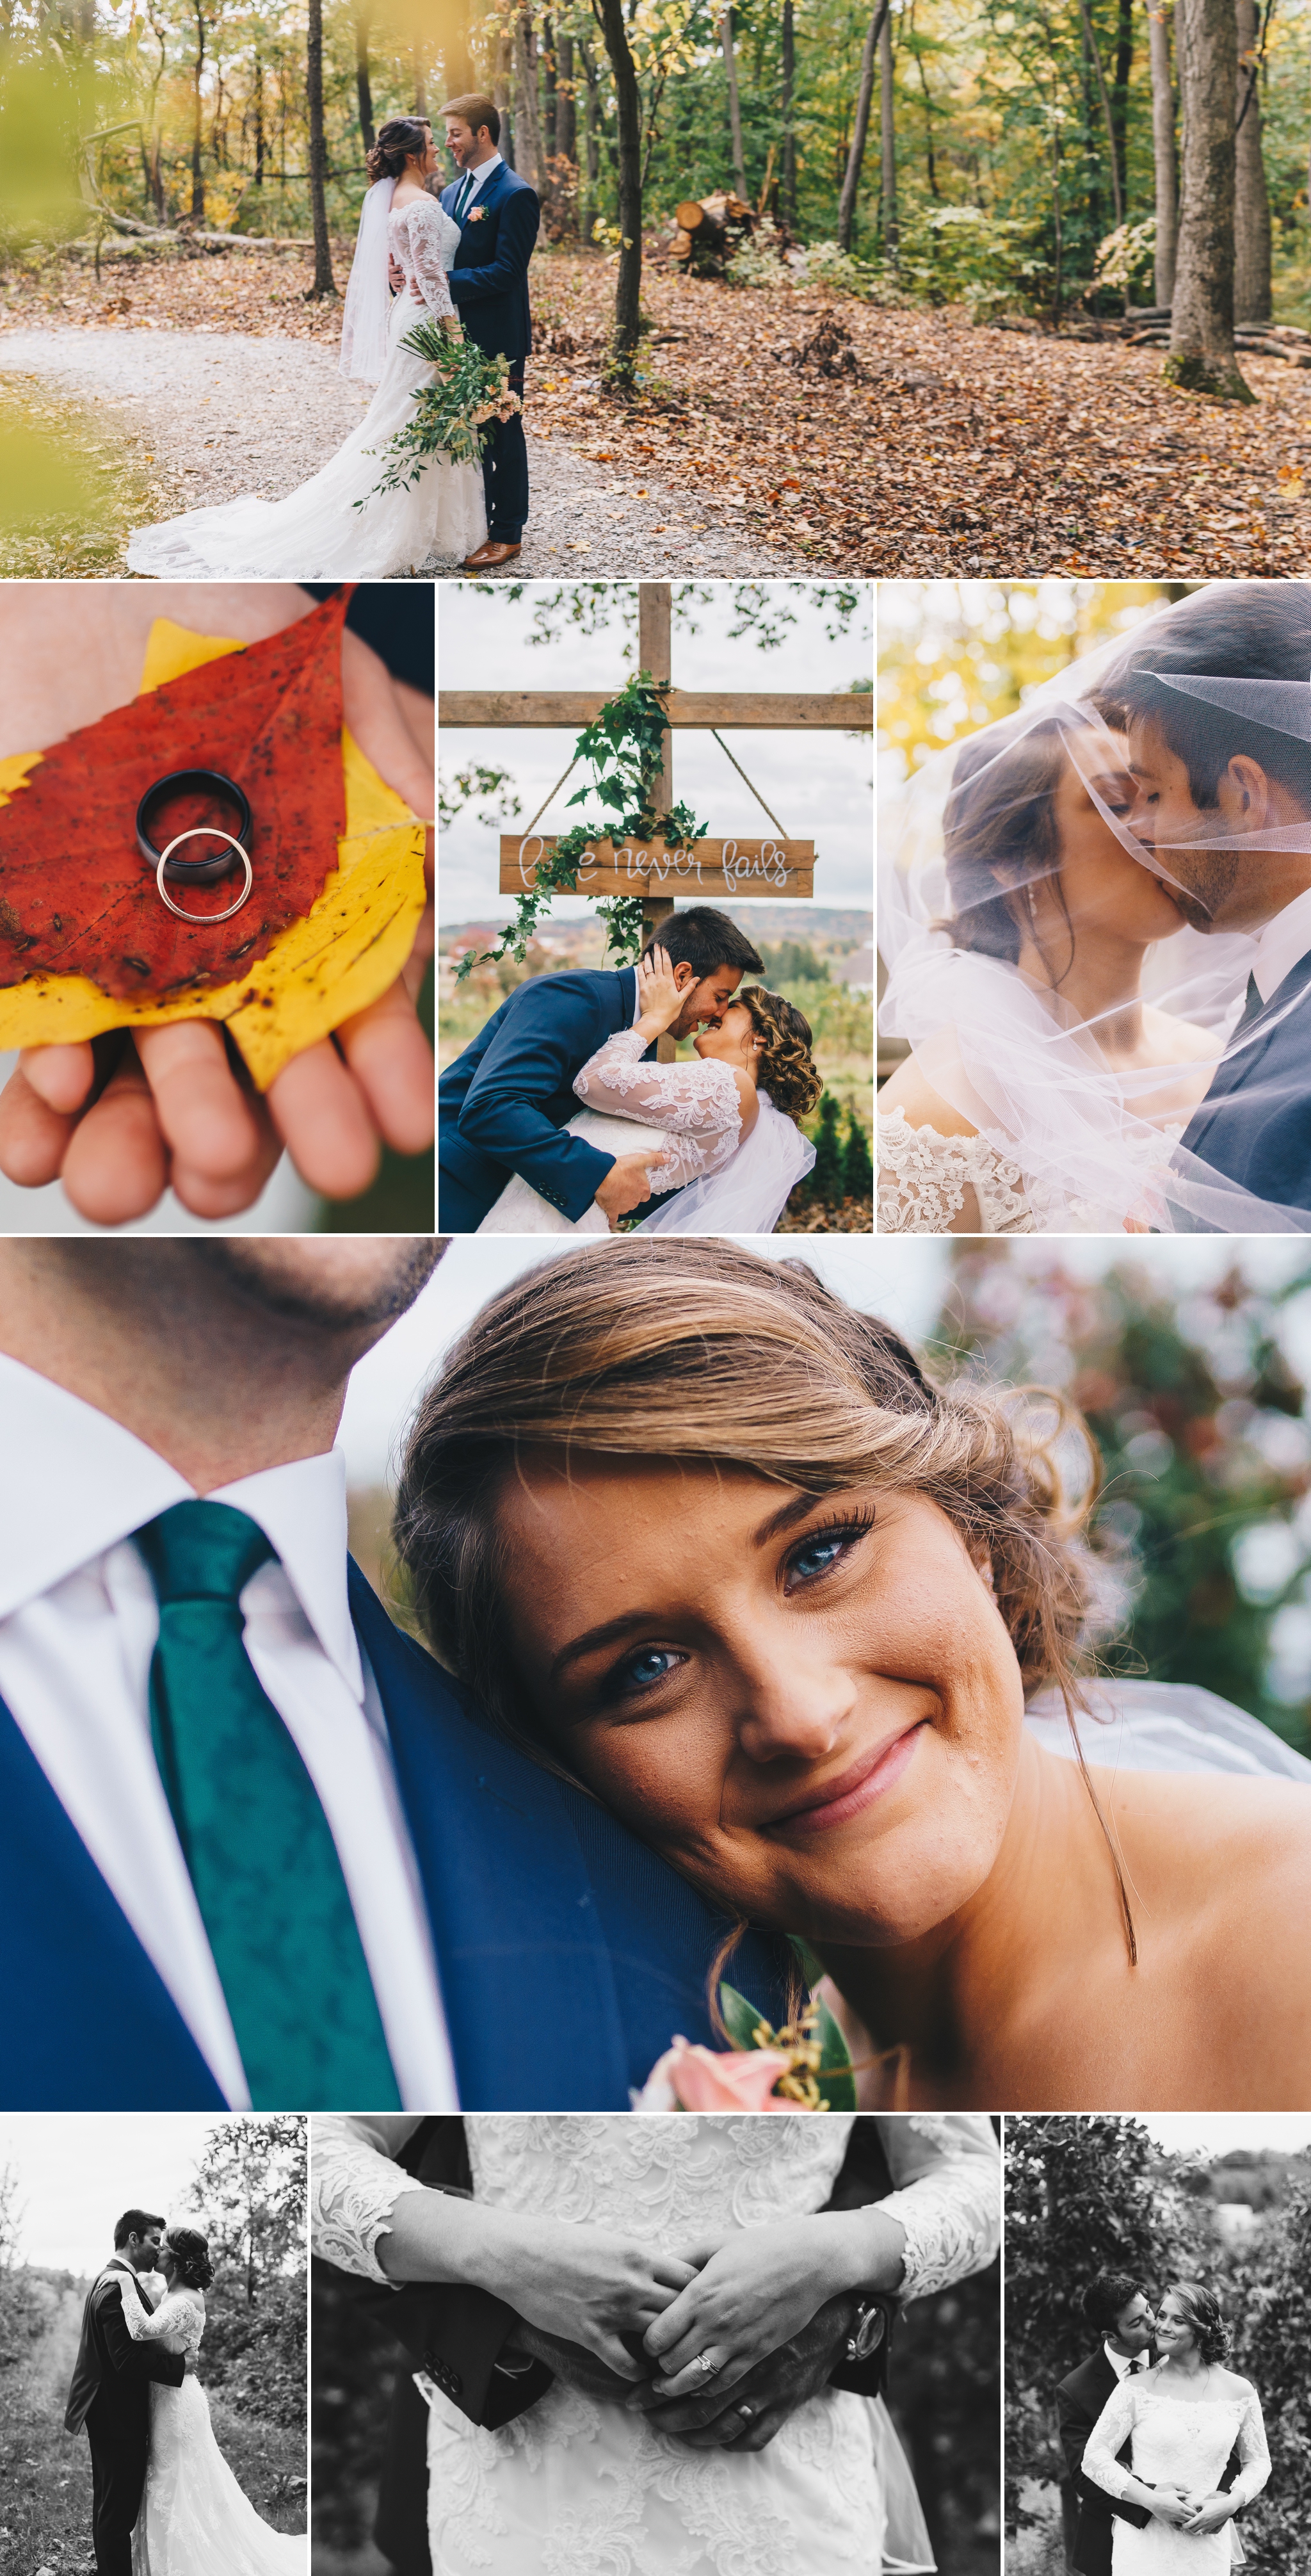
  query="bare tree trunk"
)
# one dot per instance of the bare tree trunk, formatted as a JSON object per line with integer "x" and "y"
{"x": 888, "y": 142}
{"x": 420, "y": 84}
{"x": 324, "y": 281}
{"x": 527, "y": 120}
{"x": 566, "y": 100}
{"x": 546, "y": 113}
{"x": 1163, "y": 148}
{"x": 1120, "y": 94}
{"x": 458, "y": 74}
{"x": 197, "y": 166}
{"x": 860, "y": 130}
{"x": 1090, "y": 39}
{"x": 1251, "y": 200}
{"x": 502, "y": 79}
{"x": 628, "y": 106}
{"x": 591, "y": 139}
{"x": 1201, "y": 355}
{"x": 734, "y": 104}
{"x": 363, "y": 90}
{"x": 789, "y": 131}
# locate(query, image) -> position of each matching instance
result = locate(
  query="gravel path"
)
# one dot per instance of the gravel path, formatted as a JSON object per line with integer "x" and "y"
{"x": 221, "y": 413}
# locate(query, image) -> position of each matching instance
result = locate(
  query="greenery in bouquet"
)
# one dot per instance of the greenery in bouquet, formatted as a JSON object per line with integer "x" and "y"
{"x": 452, "y": 417}
{"x": 623, "y": 747}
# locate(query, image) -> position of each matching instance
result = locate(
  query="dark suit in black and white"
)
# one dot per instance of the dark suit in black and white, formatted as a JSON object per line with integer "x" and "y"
{"x": 110, "y": 2394}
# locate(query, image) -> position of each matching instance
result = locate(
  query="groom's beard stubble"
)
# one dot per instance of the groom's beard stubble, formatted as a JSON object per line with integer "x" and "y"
{"x": 1200, "y": 882}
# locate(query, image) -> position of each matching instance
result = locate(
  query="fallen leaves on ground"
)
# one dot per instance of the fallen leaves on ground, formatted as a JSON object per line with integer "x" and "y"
{"x": 71, "y": 521}
{"x": 259, "y": 291}
{"x": 801, "y": 1216}
{"x": 950, "y": 450}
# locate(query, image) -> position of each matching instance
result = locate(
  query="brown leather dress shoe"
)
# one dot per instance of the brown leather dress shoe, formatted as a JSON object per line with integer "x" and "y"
{"x": 489, "y": 557}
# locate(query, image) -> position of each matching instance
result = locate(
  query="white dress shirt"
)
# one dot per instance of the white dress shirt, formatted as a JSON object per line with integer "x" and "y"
{"x": 78, "y": 1626}
{"x": 478, "y": 176}
{"x": 1283, "y": 940}
{"x": 1122, "y": 2363}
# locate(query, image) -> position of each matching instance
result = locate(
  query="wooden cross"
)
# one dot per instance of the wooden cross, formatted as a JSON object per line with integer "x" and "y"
{"x": 706, "y": 871}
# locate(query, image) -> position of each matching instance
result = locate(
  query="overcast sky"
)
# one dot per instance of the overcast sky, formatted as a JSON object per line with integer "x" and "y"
{"x": 78, "y": 2171}
{"x": 1217, "y": 2133}
{"x": 819, "y": 785}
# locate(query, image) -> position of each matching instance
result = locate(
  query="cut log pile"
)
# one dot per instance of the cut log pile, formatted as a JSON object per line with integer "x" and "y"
{"x": 710, "y": 230}
{"x": 1149, "y": 328}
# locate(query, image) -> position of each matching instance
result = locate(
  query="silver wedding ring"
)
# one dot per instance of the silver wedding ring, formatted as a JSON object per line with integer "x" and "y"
{"x": 203, "y": 832}
{"x": 746, "y": 2413}
{"x": 706, "y": 2364}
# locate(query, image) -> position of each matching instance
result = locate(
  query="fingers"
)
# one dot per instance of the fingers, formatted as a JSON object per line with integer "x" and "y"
{"x": 62, "y": 1076}
{"x": 391, "y": 1061}
{"x": 33, "y": 1137}
{"x": 319, "y": 1112}
{"x": 732, "y": 2368}
{"x": 672, "y": 2272}
{"x": 614, "y": 2354}
{"x": 116, "y": 1165}
{"x": 679, "y": 2323}
{"x": 221, "y": 1145}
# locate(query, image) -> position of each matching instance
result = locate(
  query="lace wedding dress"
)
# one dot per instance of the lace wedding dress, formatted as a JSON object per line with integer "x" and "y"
{"x": 1181, "y": 2441}
{"x": 194, "y": 2518}
{"x": 318, "y": 533}
{"x": 689, "y": 1113}
{"x": 924, "y": 1178}
{"x": 576, "y": 2488}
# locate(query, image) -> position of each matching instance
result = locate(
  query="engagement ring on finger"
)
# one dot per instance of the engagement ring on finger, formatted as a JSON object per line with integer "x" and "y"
{"x": 706, "y": 2363}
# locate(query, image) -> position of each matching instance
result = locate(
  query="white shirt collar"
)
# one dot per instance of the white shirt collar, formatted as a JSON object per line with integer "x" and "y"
{"x": 73, "y": 1482}
{"x": 483, "y": 172}
{"x": 1282, "y": 942}
{"x": 1121, "y": 2362}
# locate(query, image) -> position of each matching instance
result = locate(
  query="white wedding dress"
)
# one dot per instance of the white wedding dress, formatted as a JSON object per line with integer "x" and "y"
{"x": 1177, "y": 2440}
{"x": 576, "y": 2488}
{"x": 317, "y": 533}
{"x": 689, "y": 1113}
{"x": 195, "y": 2519}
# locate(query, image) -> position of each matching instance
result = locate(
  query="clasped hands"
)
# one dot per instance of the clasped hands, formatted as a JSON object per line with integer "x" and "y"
{"x": 1195, "y": 2512}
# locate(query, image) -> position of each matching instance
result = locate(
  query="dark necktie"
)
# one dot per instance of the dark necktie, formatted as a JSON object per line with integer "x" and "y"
{"x": 256, "y": 1841}
{"x": 466, "y": 191}
{"x": 1252, "y": 1006}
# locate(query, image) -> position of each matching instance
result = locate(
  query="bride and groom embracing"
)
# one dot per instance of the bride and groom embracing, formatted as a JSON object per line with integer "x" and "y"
{"x": 461, "y": 260}
{"x": 650, "y": 2343}
{"x": 1096, "y": 916}
{"x": 719, "y": 1141}
{"x": 1165, "y": 2444}
{"x": 164, "y": 2500}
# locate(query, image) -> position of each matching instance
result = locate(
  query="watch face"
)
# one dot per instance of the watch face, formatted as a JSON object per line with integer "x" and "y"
{"x": 869, "y": 2334}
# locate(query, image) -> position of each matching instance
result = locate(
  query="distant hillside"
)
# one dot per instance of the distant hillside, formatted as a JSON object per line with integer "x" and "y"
{"x": 820, "y": 925}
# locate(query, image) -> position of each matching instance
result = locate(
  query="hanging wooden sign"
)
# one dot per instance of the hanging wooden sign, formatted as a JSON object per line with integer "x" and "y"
{"x": 701, "y": 870}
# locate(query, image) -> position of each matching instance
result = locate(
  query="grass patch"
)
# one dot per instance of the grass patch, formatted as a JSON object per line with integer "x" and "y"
{"x": 69, "y": 494}
{"x": 267, "y": 2460}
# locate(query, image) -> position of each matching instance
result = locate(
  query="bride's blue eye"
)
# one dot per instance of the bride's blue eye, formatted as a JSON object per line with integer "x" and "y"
{"x": 824, "y": 1549}
{"x": 650, "y": 1665}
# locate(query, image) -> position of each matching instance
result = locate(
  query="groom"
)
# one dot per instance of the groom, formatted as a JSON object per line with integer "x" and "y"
{"x": 504, "y": 1104}
{"x": 1119, "y": 2310}
{"x": 1212, "y": 754}
{"x": 498, "y": 215}
{"x": 243, "y": 1817}
{"x": 110, "y": 2392}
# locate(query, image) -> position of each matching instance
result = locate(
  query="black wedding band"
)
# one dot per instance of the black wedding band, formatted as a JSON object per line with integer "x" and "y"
{"x": 193, "y": 871}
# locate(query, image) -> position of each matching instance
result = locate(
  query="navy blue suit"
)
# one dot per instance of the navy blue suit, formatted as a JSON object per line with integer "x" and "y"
{"x": 568, "y": 1953}
{"x": 1254, "y": 1125}
{"x": 489, "y": 287}
{"x": 503, "y": 1104}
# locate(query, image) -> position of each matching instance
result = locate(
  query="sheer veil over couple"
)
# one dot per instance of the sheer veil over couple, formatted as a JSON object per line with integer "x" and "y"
{"x": 1096, "y": 916}
{"x": 719, "y": 1142}
{"x": 651, "y": 2344}
{"x": 164, "y": 2500}
{"x": 1164, "y": 2443}
{"x": 461, "y": 259}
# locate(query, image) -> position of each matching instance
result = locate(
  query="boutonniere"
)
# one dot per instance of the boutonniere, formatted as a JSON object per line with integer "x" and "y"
{"x": 476, "y": 215}
{"x": 805, "y": 2066}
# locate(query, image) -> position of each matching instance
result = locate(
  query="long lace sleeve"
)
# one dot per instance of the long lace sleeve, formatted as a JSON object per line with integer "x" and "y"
{"x": 932, "y": 1184}
{"x": 947, "y": 2168}
{"x": 1253, "y": 2453}
{"x": 178, "y": 2320}
{"x": 354, "y": 2187}
{"x": 696, "y": 1103}
{"x": 423, "y": 227}
{"x": 1109, "y": 2435}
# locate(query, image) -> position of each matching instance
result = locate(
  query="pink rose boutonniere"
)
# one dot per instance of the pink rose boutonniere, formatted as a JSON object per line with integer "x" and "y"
{"x": 476, "y": 215}
{"x": 805, "y": 2066}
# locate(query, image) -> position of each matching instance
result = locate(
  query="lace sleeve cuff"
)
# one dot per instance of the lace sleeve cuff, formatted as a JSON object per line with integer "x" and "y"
{"x": 951, "y": 2207}
{"x": 353, "y": 2191}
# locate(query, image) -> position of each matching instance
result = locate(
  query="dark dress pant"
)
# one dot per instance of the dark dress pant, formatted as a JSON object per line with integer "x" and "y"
{"x": 118, "y": 2478}
{"x": 505, "y": 471}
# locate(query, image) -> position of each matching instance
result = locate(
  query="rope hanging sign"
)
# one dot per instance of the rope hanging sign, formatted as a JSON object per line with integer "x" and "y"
{"x": 773, "y": 866}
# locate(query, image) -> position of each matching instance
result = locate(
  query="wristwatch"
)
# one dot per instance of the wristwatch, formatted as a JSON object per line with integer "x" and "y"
{"x": 868, "y": 2331}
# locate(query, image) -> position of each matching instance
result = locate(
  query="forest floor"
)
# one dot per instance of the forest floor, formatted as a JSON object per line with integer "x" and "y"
{"x": 937, "y": 447}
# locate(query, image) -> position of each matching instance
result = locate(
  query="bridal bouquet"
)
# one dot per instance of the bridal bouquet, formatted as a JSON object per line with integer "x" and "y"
{"x": 453, "y": 416}
{"x": 805, "y": 2066}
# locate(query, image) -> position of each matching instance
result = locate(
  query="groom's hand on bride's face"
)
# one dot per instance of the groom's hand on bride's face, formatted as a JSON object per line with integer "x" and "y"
{"x": 771, "y": 2392}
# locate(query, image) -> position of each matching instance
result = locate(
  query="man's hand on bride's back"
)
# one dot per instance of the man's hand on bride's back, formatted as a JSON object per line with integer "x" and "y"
{"x": 585, "y": 2285}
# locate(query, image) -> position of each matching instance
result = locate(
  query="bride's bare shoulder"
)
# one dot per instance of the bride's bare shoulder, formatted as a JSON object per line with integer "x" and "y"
{"x": 921, "y": 1106}
{"x": 1176, "y": 1041}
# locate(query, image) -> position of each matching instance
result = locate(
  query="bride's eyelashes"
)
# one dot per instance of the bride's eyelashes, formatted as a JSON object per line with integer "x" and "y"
{"x": 640, "y": 1672}
{"x": 822, "y": 1550}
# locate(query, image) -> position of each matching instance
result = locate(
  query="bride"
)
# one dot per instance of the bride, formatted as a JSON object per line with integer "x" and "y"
{"x": 714, "y": 1545}
{"x": 724, "y": 1133}
{"x": 195, "y": 2520}
{"x": 627, "y": 2237}
{"x": 1181, "y": 2420}
{"x": 338, "y": 526}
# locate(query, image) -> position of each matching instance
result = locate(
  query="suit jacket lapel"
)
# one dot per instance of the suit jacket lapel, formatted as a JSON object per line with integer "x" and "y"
{"x": 527, "y": 1981}
{"x": 627, "y": 982}
{"x": 1238, "y": 1070}
{"x": 75, "y": 1968}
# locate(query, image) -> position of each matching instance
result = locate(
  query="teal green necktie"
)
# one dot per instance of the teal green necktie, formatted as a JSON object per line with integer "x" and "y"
{"x": 466, "y": 191}
{"x": 254, "y": 1836}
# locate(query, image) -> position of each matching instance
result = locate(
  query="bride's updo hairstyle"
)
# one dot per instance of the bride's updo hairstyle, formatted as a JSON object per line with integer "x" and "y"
{"x": 1200, "y": 2309}
{"x": 401, "y": 139}
{"x": 1000, "y": 835}
{"x": 697, "y": 1350}
{"x": 190, "y": 2252}
{"x": 786, "y": 1069}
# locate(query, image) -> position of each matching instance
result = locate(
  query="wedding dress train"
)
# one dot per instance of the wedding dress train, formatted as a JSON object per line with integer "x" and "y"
{"x": 195, "y": 2519}
{"x": 690, "y": 1116}
{"x": 318, "y": 533}
{"x": 573, "y": 2485}
{"x": 1178, "y": 2441}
